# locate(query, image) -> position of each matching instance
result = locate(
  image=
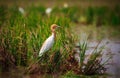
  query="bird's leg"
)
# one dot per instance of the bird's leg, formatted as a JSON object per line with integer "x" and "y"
{"x": 44, "y": 58}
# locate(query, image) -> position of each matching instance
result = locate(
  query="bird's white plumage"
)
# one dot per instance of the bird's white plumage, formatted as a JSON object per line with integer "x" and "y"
{"x": 47, "y": 45}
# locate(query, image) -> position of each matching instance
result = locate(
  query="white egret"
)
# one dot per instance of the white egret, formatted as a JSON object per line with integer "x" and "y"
{"x": 50, "y": 41}
{"x": 21, "y": 10}
{"x": 48, "y": 11}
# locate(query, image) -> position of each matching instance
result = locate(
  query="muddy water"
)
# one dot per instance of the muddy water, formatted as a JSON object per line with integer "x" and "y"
{"x": 111, "y": 48}
{"x": 114, "y": 69}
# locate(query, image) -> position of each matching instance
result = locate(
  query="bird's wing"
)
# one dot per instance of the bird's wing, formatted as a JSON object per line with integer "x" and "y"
{"x": 47, "y": 45}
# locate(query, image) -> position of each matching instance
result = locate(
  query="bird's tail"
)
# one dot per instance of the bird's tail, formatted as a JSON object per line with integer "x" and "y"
{"x": 40, "y": 54}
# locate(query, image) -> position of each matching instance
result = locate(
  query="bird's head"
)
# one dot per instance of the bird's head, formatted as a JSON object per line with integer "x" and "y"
{"x": 54, "y": 27}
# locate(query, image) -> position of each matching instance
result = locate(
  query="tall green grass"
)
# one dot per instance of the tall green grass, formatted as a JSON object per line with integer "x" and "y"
{"x": 23, "y": 35}
{"x": 92, "y": 63}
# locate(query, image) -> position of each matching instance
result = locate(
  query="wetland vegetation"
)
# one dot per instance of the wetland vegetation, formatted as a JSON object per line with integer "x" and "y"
{"x": 24, "y": 29}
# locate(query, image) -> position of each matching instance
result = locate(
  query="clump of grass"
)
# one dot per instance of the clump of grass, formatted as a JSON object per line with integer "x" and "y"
{"x": 7, "y": 60}
{"x": 3, "y": 14}
{"x": 93, "y": 63}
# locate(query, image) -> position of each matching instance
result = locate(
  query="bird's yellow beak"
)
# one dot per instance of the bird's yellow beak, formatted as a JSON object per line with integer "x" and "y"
{"x": 58, "y": 26}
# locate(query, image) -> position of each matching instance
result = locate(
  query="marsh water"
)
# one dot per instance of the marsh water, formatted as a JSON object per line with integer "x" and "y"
{"x": 112, "y": 48}
{"x": 111, "y": 43}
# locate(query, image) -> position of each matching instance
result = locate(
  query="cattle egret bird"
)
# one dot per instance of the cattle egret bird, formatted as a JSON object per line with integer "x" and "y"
{"x": 48, "y": 11}
{"x": 50, "y": 41}
{"x": 21, "y": 10}
{"x": 65, "y": 5}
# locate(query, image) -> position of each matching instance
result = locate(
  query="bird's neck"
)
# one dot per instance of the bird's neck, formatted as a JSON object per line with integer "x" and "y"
{"x": 54, "y": 34}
